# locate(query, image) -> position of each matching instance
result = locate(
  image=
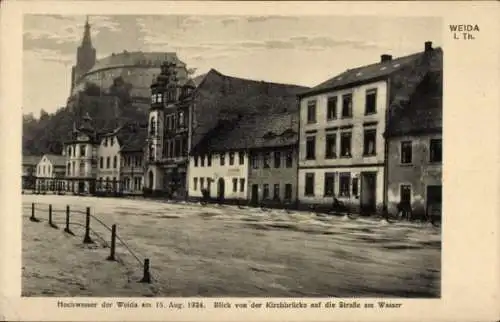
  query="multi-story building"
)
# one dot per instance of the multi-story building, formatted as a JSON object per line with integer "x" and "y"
{"x": 252, "y": 159}
{"x": 342, "y": 148}
{"x": 132, "y": 159}
{"x": 29, "y": 171}
{"x": 183, "y": 112}
{"x": 108, "y": 174}
{"x": 50, "y": 172}
{"x": 219, "y": 164}
{"x": 167, "y": 141}
{"x": 82, "y": 159}
{"x": 415, "y": 148}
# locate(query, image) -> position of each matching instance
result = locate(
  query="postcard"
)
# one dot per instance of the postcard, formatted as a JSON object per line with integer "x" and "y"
{"x": 250, "y": 161}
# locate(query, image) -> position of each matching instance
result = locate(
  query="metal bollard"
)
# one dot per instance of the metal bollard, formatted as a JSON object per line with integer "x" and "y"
{"x": 51, "y": 224}
{"x": 33, "y": 218}
{"x": 146, "y": 278}
{"x": 111, "y": 256}
{"x": 87, "y": 239}
{"x": 67, "y": 230}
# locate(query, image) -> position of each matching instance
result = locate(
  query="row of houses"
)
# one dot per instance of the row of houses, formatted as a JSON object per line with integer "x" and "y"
{"x": 369, "y": 138}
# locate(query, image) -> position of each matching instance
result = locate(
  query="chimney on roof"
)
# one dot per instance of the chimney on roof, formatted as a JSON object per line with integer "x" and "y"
{"x": 428, "y": 46}
{"x": 385, "y": 57}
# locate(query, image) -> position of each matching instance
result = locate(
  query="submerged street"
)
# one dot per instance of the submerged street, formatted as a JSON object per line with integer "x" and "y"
{"x": 224, "y": 251}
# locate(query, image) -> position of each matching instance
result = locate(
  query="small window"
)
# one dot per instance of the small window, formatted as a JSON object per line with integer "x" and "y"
{"x": 406, "y": 152}
{"x": 101, "y": 162}
{"x": 209, "y": 160}
{"x": 277, "y": 159}
{"x": 115, "y": 162}
{"x": 195, "y": 183}
{"x": 242, "y": 184}
{"x": 309, "y": 186}
{"x": 222, "y": 159}
{"x": 311, "y": 111}
{"x": 436, "y": 150}
{"x": 332, "y": 108}
{"x": 255, "y": 161}
{"x": 276, "y": 192}
{"x": 345, "y": 144}
{"x": 344, "y": 182}
{"x": 202, "y": 183}
{"x": 311, "y": 148}
{"x": 267, "y": 160}
{"x": 202, "y": 161}
{"x": 405, "y": 194}
{"x": 235, "y": 184}
{"x": 289, "y": 159}
{"x": 347, "y": 106}
{"x": 195, "y": 161}
{"x": 371, "y": 101}
{"x": 241, "y": 157}
{"x": 231, "y": 158}
{"x": 331, "y": 146}
{"x": 265, "y": 194}
{"x": 108, "y": 162}
{"x": 329, "y": 184}
{"x": 370, "y": 139}
{"x": 82, "y": 150}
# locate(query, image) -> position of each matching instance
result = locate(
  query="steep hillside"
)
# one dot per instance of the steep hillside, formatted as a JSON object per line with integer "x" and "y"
{"x": 108, "y": 108}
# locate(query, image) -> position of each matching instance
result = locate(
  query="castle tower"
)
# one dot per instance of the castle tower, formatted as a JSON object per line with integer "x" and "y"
{"x": 85, "y": 55}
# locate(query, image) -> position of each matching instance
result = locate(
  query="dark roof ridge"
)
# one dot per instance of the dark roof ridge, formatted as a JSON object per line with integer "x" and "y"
{"x": 258, "y": 81}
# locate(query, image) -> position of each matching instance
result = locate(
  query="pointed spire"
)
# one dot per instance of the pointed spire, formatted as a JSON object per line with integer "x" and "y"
{"x": 86, "y": 40}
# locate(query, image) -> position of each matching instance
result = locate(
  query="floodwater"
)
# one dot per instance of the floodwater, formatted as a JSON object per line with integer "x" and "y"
{"x": 225, "y": 251}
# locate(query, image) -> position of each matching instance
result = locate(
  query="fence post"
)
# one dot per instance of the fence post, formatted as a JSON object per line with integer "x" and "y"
{"x": 87, "y": 239}
{"x": 146, "y": 278}
{"x": 111, "y": 256}
{"x": 51, "y": 224}
{"x": 67, "y": 230}
{"x": 33, "y": 218}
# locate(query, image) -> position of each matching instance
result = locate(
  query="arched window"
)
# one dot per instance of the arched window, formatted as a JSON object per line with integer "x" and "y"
{"x": 108, "y": 162}
{"x": 115, "y": 162}
{"x": 152, "y": 125}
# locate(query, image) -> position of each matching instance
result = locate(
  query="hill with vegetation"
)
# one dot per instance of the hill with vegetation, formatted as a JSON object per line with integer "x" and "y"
{"x": 108, "y": 108}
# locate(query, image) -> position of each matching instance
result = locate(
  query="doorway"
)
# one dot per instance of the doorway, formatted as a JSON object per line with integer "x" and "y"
{"x": 220, "y": 189}
{"x": 150, "y": 179}
{"x": 81, "y": 186}
{"x": 368, "y": 200}
{"x": 434, "y": 200}
{"x": 255, "y": 194}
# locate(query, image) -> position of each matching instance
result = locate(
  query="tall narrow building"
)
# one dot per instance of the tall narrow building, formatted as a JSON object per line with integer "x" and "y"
{"x": 85, "y": 56}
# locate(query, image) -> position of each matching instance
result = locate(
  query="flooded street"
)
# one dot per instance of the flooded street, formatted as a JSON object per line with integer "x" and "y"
{"x": 227, "y": 251}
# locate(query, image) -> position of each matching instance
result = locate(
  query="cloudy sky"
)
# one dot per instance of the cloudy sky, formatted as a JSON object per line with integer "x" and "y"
{"x": 286, "y": 49}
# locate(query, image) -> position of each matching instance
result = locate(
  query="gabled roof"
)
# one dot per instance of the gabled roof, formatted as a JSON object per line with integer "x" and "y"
{"x": 423, "y": 112}
{"x": 251, "y": 132}
{"x": 372, "y": 72}
{"x": 57, "y": 160}
{"x": 31, "y": 159}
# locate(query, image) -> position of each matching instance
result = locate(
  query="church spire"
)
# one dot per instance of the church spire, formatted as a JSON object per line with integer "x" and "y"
{"x": 86, "y": 54}
{"x": 86, "y": 40}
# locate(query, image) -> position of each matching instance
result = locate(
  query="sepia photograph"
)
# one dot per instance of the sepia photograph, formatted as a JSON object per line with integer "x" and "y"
{"x": 232, "y": 156}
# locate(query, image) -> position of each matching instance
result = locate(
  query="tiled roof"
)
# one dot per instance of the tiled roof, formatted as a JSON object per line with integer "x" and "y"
{"x": 369, "y": 72}
{"x": 57, "y": 159}
{"x": 252, "y": 132}
{"x": 31, "y": 159}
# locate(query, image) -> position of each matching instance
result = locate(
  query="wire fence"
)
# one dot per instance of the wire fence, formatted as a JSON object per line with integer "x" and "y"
{"x": 144, "y": 264}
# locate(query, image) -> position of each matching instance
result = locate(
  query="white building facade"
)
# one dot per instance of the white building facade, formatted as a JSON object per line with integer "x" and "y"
{"x": 108, "y": 174}
{"x": 342, "y": 146}
{"x": 224, "y": 175}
